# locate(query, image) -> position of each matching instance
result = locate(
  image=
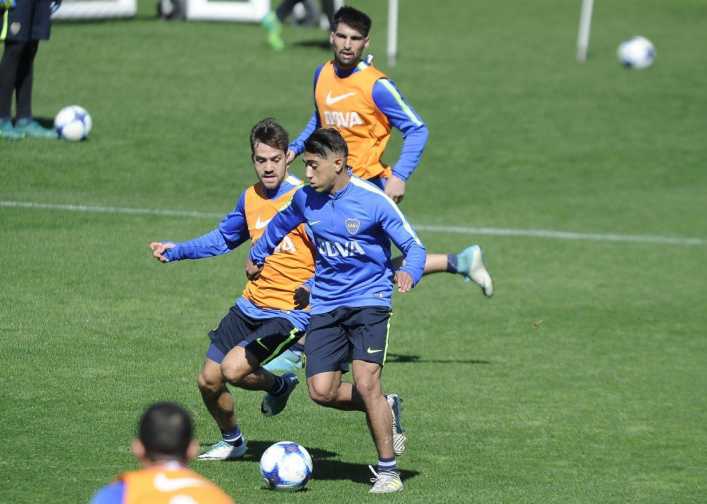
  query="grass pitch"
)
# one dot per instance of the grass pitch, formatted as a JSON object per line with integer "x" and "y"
{"x": 583, "y": 380}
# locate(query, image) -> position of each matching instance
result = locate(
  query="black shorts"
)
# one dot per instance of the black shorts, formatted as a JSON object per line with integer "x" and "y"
{"x": 339, "y": 336}
{"x": 265, "y": 339}
{"x": 28, "y": 20}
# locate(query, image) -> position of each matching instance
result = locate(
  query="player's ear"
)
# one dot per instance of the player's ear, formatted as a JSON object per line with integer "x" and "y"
{"x": 340, "y": 164}
{"x": 366, "y": 42}
{"x": 138, "y": 449}
{"x": 331, "y": 37}
{"x": 193, "y": 449}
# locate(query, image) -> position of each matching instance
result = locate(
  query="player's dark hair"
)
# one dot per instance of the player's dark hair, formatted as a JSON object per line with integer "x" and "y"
{"x": 165, "y": 430}
{"x": 326, "y": 140}
{"x": 269, "y": 132}
{"x": 354, "y": 18}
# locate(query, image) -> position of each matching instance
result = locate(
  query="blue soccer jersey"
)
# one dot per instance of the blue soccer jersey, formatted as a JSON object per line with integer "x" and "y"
{"x": 352, "y": 230}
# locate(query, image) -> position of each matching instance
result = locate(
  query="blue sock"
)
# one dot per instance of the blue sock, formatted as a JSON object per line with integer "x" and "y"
{"x": 452, "y": 263}
{"x": 387, "y": 465}
{"x": 233, "y": 437}
{"x": 278, "y": 386}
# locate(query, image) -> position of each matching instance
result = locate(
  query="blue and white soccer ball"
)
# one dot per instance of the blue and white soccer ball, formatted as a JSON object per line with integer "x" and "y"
{"x": 286, "y": 466}
{"x": 637, "y": 52}
{"x": 73, "y": 123}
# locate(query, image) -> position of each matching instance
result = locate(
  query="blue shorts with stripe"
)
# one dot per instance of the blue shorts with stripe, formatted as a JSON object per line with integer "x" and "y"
{"x": 344, "y": 334}
{"x": 264, "y": 339}
{"x": 28, "y": 20}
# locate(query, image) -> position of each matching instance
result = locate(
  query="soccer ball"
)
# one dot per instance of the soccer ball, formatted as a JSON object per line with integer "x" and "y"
{"x": 637, "y": 53}
{"x": 73, "y": 123}
{"x": 286, "y": 466}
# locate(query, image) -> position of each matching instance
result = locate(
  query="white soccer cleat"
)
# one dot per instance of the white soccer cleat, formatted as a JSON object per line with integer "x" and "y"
{"x": 385, "y": 482}
{"x": 399, "y": 437}
{"x": 471, "y": 264}
{"x": 274, "y": 404}
{"x": 224, "y": 451}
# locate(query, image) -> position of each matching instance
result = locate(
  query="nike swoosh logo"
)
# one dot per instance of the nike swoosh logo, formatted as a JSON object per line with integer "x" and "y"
{"x": 370, "y": 350}
{"x": 331, "y": 100}
{"x": 313, "y": 222}
{"x": 261, "y": 224}
{"x": 165, "y": 484}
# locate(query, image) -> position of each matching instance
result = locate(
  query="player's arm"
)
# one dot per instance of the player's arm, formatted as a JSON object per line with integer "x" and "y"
{"x": 402, "y": 116}
{"x": 110, "y": 494}
{"x": 403, "y": 235}
{"x": 285, "y": 221}
{"x": 230, "y": 233}
{"x": 297, "y": 146}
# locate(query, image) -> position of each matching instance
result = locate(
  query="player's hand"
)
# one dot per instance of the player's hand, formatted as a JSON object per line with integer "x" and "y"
{"x": 404, "y": 281}
{"x": 159, "y": 249}
{"x": 290, "y": 156}
{"x": 395, "y": 188}
{"x": 301, "y": 297}
{"x": 252, "y": 270}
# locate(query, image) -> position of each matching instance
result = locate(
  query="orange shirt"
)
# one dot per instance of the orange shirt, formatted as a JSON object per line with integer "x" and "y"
{"x": 291, "y": 265}
{"x": 347, "y": 105}
{"x": 170, "y": 484}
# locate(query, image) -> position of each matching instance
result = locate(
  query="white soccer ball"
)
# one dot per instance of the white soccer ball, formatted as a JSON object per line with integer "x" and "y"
{"x": 286, "y": 466}
{"x": 73, "y": 123}
{"x": 637, "y": 52}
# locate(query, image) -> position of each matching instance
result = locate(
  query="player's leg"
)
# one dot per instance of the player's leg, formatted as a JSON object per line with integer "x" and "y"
{"x": 469, "y": 263}
{"x": 14, "y": 32}
{"x": 232, "y": 329}
{"x": 328, "y": 350}
{"x": 269, "y": 339}
{"x": 289, "y": 361}
{"x": 25, "y": 73}
{"x": 220, "y": 404}
{"x": 272, "y": 22}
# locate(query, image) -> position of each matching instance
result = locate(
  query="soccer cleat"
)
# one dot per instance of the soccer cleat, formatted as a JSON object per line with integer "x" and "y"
{"x": 470, "y": 263}
{"x": 274, "y": 404}
{"x": 33, "y": 129}
{"x": 288, "y": 361}
{"x": 274, "y": 28}
{"x": 224, "y": 451}
{"x": 385, "y": 481}
{"x": 399, "y": 437}
{"x": 10, "y": 132}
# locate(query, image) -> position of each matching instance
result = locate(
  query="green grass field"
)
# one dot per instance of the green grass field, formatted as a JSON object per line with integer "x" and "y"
{"x": 583, "y": 380}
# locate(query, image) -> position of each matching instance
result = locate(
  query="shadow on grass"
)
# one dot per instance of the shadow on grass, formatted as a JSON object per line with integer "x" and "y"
{"x": 324, "y": 467}
{"x": 393, "y": 358}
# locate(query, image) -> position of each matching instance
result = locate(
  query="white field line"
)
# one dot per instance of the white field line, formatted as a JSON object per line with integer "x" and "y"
{"x": 465, "y": 230}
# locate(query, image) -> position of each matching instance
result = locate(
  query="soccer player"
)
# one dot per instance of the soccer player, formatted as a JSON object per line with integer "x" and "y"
{"x": 269, "y": 316}
{"x": 164, "y": 444}
{"x": 364, "y": 105}
{"x": 353, "y": 223}
{"x": 22, "y": 25}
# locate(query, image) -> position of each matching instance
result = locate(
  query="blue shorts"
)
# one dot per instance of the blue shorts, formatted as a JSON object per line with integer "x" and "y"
{"x": 344, "y": 334}
{"x": 264, "y": 339}
{"x": 28, "y": 20}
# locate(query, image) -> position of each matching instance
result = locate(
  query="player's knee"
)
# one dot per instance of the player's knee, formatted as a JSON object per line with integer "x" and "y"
{"x": 208, "y": 383}
{"x": 368, "y": 387}
{"x": 233, "y": 373}
{"x": 322, "y": 395}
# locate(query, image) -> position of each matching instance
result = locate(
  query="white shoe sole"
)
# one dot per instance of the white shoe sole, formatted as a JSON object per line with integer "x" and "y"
{"x": 479, "y": 274}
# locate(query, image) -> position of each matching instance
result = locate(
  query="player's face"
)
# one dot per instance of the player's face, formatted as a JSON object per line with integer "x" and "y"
{"x": 321, "y": 172}
{"x": 270, "y": 165}
{"x": 348, "y": 45}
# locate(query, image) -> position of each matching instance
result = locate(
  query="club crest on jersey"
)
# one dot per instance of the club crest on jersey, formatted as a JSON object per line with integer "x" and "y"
{"x": 353, "y": 225}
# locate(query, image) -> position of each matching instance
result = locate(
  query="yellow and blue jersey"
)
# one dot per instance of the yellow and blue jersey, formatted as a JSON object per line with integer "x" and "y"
{"x": 292, "y": 264}
{"x": 163, "y": 484}
{"x": 364, "y": 105}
